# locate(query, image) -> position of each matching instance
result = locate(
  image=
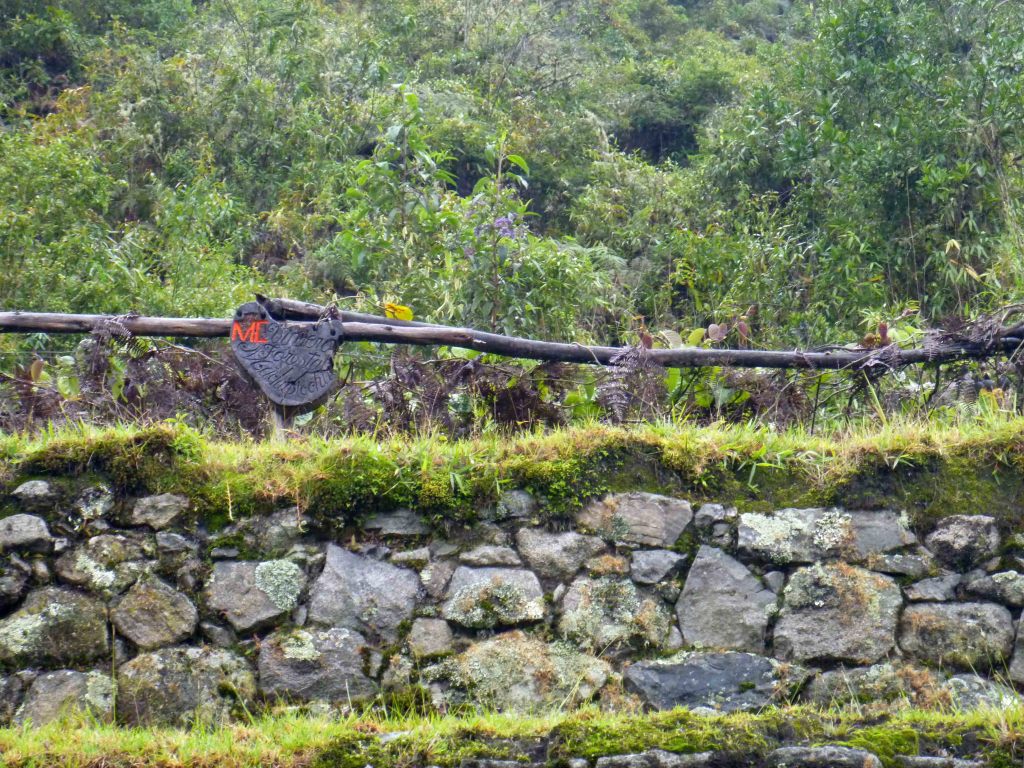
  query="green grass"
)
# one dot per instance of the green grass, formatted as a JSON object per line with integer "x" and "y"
{"x": 352, "y": 741}
{"x": 928, "y": 468}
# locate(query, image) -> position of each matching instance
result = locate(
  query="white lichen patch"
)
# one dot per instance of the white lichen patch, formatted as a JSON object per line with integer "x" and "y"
{"x": 492, "y": 604}
{"x": 774, "y": 535}
{"x": 19, "y": 633}
{"x": 833, "y": 532}
{"x": 96, "y": 576}
{"x": 583, "y": 675}
{"x": 281, "y": 581}
{"x": 95, "y": 502}
{"x": 99, "y": 692}
{"x": 519, "y": 672}
{"x": 299, "y": 646}
{"x": 604, "y": 612}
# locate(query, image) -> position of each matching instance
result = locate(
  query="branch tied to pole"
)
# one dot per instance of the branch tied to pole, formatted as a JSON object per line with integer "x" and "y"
{"x": 287, "y": 347}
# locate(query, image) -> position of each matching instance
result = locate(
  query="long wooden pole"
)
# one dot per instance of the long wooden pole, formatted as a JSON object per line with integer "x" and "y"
{"x": 361, "y": 327}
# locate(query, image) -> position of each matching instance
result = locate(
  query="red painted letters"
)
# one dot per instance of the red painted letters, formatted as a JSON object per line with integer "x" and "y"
{"x": 252, "y": 333}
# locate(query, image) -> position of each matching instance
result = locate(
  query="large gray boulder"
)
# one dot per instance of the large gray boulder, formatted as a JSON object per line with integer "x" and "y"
{"x": 153, "y": 614}
{"x": 26, "y": 533}
{"x": 966, "y": 636}
{"x": 810, "y": 535}
{"x": 603, "y": 613}
{"x": 837, "y": 612}
{"x": 557, "y": 555}
{"x": 964, "y": 541}
{"x": 106, "y": 564}
{"x": 728, "y": 681}
{"x": 315, "y": 664}
{"x": 637, "y": 519}
{"x": 254, "y": 596}
{"x": 517, "y": 672}
{"x": 916, "y": 563}
{"x": 401, "y": 522}
{"x": 183, "y": 686}
{"x": 650, "y": 566}
{"x": 652, "y": 758}
{"x": 363, "y": 594}
{"x": 484, "y": 598}
{"x": 822, "y": 757}
{"x": 723, "y": 605}
{"x": 57, "y": 694}
{"x": 54, "y": 628}
{"x": 490, "y": 554}
{"x": 158, "y": 512}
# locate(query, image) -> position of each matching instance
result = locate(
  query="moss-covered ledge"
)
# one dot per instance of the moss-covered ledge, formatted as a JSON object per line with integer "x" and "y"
{"x": 929, "y": 470}
{"x": 394, "y": 738}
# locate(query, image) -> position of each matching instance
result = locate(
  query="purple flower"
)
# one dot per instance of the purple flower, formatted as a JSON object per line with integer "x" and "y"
{"x": 503, "y": 225}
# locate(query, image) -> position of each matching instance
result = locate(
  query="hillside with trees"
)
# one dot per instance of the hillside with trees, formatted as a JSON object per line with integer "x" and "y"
{"x": 557, "y": 169}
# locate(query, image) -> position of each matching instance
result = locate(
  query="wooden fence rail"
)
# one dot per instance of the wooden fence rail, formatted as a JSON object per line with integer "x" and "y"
{"x": 363, "y": 327}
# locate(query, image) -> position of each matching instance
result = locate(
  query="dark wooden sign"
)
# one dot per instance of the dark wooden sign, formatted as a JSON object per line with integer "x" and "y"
{"x": 293, "y": 363}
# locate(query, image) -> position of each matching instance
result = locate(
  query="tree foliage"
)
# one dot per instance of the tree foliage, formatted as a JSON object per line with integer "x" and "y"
{"x": 571, "y": 169}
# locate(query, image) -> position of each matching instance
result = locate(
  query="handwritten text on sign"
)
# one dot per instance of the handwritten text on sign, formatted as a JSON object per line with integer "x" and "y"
{"x": 293, "y": 363}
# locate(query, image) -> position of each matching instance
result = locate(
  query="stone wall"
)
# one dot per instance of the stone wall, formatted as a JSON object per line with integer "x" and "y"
{"x": 640, "y": 600}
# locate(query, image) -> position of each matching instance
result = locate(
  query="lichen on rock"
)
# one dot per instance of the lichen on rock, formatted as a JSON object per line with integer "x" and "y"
{"x": 602, "y": 613}
{"x": 837, "y": 612}
{"x": 154, "y": 614}
{"x": 55, "y": 627}
{"x": 317, "y": 664}
{"x": 183, "y": 686}
{"x": 282, "y": 581}
{"x": 515, "y": 671}
{"x": 253, "y": 595}
{"x": 107, "y": 564}
{"x": 299, "y": 646}
{"x": 967, "y": 636}
{"x": 637, "y": 519}
{"x": 483, "y": 598}
{"x": 810, "y": 535}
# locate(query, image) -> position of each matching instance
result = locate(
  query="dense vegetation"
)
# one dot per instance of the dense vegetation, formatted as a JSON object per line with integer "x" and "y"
{"x": 559, "y": 168}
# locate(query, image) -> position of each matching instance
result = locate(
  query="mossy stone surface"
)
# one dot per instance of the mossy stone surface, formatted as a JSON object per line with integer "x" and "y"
{"x": 55, "y": 627}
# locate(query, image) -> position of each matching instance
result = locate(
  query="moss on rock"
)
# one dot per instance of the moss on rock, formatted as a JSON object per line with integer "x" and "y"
{"x": 956, "y": 469}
